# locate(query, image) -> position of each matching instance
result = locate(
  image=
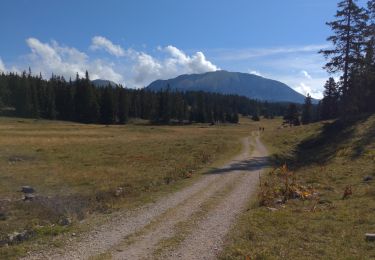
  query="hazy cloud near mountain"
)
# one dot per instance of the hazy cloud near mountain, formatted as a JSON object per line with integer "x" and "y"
{"x": 300, "y": 67}
{"x": 148, "y": 68}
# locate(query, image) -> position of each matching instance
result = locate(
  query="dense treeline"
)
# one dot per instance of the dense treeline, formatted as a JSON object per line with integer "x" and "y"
{"x": 79, "y": 100}
{"x": 352, "y": 57}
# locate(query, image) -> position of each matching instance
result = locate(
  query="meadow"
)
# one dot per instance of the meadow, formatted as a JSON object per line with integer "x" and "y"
{"x": 336, "y": 160}
{"x": 83, "y": 172}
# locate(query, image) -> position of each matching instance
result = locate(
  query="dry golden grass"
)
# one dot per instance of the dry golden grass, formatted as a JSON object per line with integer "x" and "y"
{"x": 77, "y": 168}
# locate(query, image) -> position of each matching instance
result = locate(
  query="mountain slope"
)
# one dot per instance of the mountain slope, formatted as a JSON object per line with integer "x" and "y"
{"x": 225, "y": 82}
{"x": 99, "y": 83}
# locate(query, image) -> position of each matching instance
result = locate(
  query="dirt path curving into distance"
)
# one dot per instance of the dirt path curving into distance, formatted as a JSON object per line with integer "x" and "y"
{"x": 207, "y": 209}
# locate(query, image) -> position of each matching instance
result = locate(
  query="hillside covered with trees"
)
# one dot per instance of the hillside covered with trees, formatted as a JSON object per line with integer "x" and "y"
{"x": 80, "y": 101}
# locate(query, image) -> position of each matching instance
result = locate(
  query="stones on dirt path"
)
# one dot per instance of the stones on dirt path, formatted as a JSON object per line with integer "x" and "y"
{"x": 14, "y": 159}
{"x": 28, "y": 197}
{"x": 119, "y": 192}
{"x": 28, "y": 193}
{"x": 65, "y": 221}
{"x": 27, "y": 189}
{"x": 3, "y": 216}
{"x": 370, "y": 237}
{"x": 17, "y": 237}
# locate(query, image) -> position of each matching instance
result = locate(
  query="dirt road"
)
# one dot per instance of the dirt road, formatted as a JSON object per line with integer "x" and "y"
{"x": 188, "y": 224}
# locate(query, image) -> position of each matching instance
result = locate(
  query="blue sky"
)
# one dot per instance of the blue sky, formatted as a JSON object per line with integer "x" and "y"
{"x": 136, "y": 42}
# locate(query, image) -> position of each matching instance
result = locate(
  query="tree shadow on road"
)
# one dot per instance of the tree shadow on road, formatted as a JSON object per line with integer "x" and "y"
{"x": 253, "y": 164}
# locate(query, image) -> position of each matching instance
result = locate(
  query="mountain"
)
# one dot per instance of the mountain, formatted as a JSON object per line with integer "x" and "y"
{"x": 100, "y": 83}
{"x": 225, "y": 82}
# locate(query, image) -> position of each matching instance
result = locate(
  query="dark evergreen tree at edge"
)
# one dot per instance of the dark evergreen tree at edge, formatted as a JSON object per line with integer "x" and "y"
{"x": 307, "y": 111}
{"x": 353, "y": 40}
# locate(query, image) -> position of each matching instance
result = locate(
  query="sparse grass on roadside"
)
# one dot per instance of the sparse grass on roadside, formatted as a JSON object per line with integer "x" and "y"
{"x": 330, "y": 157}
{"x": 77, "y": 169}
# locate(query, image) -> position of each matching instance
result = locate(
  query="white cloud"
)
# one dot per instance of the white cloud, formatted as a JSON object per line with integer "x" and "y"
{"x": 249, "y": 53}
{"x": 100, "y": 42}
{"x": 4, "y": 69}
{"x": 303, "y": 89}
{"x": 254, "y": 72}
{"x": 197, "y": 63}
{"x": 306, "y": 74}
{"x": 176, "y": 62}
{"x": 52, "y": 57}
{"x": 2, "y": 66}
{"x": 146, "y": 69}
{"x": 299, "y": 83}
{"x": 49, "y": 58}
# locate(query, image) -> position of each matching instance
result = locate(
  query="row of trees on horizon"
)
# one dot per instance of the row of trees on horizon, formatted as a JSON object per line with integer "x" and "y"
{"x": 80, "y": 101}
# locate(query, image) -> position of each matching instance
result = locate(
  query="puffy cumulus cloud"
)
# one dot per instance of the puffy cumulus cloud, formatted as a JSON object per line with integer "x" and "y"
{"x": 176, "y": 62}
{"x": 138, "y": 67}
{"x": 307, "y": 88}
{"x": 49, "y": 58}
{"x": 197, "y": 63}
{"x": 146, "y": 69}
{"x": 100, "y": 42}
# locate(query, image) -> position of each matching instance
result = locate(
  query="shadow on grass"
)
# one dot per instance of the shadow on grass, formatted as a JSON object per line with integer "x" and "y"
{"x": 334, "y": 136}
{"x": 253, "y": 164}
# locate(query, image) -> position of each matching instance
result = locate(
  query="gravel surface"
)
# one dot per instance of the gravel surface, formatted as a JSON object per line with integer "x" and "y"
{"x": 205, "y": 240}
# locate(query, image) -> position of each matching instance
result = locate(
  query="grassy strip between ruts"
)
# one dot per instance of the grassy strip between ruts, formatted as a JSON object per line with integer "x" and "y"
{"x": 330, "y": 158}
{"x": 85, "y": 172}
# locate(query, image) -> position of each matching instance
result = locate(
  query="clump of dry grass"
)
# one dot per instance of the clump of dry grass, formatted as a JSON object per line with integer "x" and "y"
{"x": 281, "y": 185}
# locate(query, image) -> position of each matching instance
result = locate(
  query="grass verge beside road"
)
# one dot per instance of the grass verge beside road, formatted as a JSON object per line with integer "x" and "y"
{"x": 333, "y": 158}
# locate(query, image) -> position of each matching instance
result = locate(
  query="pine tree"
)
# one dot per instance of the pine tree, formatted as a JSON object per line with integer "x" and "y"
{"x": 23, "y": 99}
{"x": 4, "y": 91}
{"x": 86, "y": 101}
{"x": 107, "y": 106}
{"x": 307, "y": 116}
{"x": 369, "y": 73}
{"x": 235, "y": 118}
{"x": 255, "y": 116}
{"x": 50, "y": 108}
{"x": 348, "y": 41}
{"x": 123, "y": 110}
{"x": 330, "y": 102}
{"x": 292, "y": 115}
